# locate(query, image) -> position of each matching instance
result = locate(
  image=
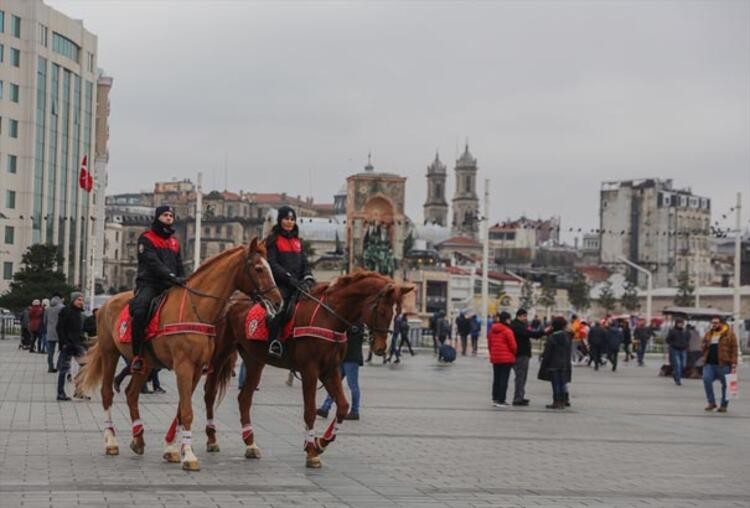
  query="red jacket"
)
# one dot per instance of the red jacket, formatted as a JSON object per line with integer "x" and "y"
{"x": 502, "y": 344}
{"x": 36, "y": 314}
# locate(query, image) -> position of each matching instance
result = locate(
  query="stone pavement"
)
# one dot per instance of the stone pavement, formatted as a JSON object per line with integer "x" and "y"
{"x": 428, "y": 437}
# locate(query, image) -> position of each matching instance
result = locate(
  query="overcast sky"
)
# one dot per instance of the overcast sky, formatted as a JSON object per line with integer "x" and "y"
{"x": 554, "y": 97}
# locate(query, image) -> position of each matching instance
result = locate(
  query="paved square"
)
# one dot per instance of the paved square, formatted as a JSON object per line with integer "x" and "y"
{"x": 428, "y": 437}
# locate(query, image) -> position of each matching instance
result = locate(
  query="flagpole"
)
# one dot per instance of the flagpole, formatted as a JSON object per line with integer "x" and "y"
{"x": 91, "y": 272}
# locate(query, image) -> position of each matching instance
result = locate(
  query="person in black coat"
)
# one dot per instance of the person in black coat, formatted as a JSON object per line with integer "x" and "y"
{"x": 597, "y": 344}
{"x": 556, "y": 366}
{"x": 71, "y": 339}
{"x": 463, "y": 327}
{"x": 614, "y": 341}
{"x": 349, "y": 371}
{"x": 678, "y": 340}
{"x": 159, "y": 267}
{"x": 524, "y": 334}
{"x": 290, "y": 271}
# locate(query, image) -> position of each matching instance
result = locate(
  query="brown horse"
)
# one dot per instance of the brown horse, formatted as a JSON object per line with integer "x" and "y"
{"x": 201, "y": 301}
{"x": 363, "y": 297}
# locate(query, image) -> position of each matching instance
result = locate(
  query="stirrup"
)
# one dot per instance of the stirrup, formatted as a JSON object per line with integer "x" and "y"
{"x": 276, "y": 349}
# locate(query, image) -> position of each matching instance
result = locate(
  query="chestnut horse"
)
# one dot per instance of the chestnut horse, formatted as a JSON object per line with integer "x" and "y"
{"x": 360, "y": 298}
{"x": 200, "y": 300}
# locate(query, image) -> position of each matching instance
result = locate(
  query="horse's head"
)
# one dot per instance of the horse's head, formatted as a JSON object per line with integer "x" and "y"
{"x": 257, "y": 278}
{"x": 377, "y": 313}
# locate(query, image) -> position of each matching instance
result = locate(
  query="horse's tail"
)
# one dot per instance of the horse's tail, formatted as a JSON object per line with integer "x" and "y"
{"x": 90, "y": 376}
{"x": 225, "y": 353}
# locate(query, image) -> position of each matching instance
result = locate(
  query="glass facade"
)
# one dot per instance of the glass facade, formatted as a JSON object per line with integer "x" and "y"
{"x": 65, "y": 210}
{"x": 52, "y": 191}
{"x": 65, "y": 47}
{"x": 41, "y": 109}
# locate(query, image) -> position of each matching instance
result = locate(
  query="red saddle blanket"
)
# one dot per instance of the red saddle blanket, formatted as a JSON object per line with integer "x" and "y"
{"x": 123, "y": 330}
{"x": 257, "y": 329}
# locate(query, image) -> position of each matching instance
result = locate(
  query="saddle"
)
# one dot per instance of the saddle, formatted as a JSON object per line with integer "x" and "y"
{"x": 256, "y": 327}
{"x": 124, "y": 328}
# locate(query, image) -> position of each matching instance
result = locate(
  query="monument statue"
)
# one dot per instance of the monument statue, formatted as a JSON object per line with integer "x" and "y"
{"x": 378, "y": 254}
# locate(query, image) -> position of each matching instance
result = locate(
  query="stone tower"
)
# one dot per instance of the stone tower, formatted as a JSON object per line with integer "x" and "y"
{"x": 465, "y": 200}
{"x": 435, "y": 206}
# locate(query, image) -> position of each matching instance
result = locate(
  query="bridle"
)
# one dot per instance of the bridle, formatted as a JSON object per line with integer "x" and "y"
{"x": 257, "y": 294}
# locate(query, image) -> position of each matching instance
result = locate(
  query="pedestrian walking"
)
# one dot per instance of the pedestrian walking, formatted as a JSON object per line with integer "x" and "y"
{"x": 556, "y": 366}
{"x": 614, "y": 341}
{"x": 393, "y": 349}
{"x": 678, "y": 340}
{"x": 627, "y": 339}
{"x": 443, "y": 329}
{"x": 42, "y": 341}
{"x": 597, "y": 344}
{"x": 720, "y": 354}
{"x": 50, "y": 323}
{"x": 404, "y": 330}
{"x": 71, "y": 339}
{"x": 523, "y": 335}
{"x": 36, "y": 317}
{"x": 349, "y": 371}
{"x": 642, "y": 334}
{"x": 463, "y": 328}
{"x": 476, "y": 329}
{"x": 503, "y": 349}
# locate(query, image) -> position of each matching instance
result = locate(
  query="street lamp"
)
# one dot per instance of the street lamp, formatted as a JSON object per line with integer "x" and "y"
{"x": 649, "y": 284}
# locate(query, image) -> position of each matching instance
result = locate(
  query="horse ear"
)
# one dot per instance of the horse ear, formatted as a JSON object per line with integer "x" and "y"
{"x": 404, "y": 289}
{"x": 253, "y": 245}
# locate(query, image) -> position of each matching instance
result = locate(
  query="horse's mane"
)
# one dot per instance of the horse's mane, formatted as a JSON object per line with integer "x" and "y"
{"x": 344, "y": 281}
{"x": 215, "y": 259}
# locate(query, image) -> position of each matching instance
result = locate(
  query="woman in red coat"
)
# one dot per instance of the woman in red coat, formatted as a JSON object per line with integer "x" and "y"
{"x": 502, "y": 346}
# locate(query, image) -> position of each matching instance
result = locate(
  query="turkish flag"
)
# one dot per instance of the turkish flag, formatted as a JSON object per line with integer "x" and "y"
{"x": 85, "y": 179}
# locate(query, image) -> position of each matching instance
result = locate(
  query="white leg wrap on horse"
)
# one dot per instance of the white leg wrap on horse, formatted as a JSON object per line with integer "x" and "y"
{"x": 210, "y": 424}
{"x": 109, "y": 426}
{"x": 187, "y": 438}
{"x": 247, "y": 431}
{"x": 310, "y": 436}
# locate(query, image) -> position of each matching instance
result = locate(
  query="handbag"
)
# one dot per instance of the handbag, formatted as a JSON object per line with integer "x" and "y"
{"x": 733, "y": 385}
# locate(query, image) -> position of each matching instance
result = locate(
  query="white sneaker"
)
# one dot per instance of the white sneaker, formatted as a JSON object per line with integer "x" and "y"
{"x": 499, "y": 404}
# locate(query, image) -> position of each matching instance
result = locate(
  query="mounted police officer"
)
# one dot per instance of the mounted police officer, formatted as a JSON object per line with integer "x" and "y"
{"x": 159, "y": 267}
{"x": 290, "y": 270}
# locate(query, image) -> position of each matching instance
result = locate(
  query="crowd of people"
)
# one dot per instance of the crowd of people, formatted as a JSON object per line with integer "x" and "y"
{"x": 51, "y": 325}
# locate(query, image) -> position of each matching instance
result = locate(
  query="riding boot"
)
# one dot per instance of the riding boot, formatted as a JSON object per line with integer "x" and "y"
{"x": 136, "y": 366}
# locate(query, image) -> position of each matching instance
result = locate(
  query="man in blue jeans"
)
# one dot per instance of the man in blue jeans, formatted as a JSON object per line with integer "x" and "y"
{"x": 349, "y": 370}
{"x": 720, "y": 353}
{"x": 678, "y": 340}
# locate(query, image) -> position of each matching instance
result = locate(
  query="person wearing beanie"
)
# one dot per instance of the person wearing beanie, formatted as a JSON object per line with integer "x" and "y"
{"x": 290, "y": 270}
{"x": 159, "y": 268}
{"x": 70, "y": 338}
{"x": 503, "y": 348}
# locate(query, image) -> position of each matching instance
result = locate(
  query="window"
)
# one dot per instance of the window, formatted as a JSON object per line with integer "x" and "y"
{"x": 89, "y": 61}
{"x": 65, "y": 46}
{"x": 1, "y": 89}
{"x": 10, "y": 199}
{"x": 2, "y": 53}
{"x": 13, "y": 128}
{"x": 15, "y": 26}
{"x": 2, "y": 22}
{"x": 15, "y": 57}
{"x": 43, "y": 35}
{"x": 14, "y": 92}
{"x": 12, "y": 163}
{"x": 7, "y": 270}
{"x": 10, "y": 234}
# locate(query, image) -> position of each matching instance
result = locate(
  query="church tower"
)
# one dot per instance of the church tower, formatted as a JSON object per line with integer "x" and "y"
{"x": 465, "y": 200}
{"x": 435, "y": 206}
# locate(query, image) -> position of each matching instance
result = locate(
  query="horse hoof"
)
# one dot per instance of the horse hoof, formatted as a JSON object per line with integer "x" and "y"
{"x": 252, "y": 452}
{"x": 113, "y": 450}
{"x": 172, "y": 457}
{"x": 191, "y": 465}
{"x": 314, "y": 463}
{"x": 212, "y": 447}
{"x": 136, "y": 448}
